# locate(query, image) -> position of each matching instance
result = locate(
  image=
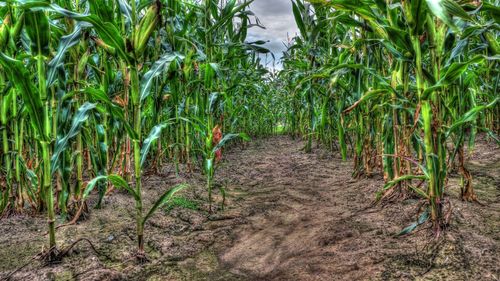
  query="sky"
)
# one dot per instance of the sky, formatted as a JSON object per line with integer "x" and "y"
{"x": 277, "y": 17}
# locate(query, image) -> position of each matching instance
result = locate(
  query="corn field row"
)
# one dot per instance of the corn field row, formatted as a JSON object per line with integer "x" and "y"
{"x": 93, "y": 93}
{"x": 403, "y": 87}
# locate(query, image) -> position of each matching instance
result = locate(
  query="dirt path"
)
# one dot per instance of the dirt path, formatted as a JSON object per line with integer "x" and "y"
{"x": 303, "y": 228}
{"x": 314, "y": 222}
{"x": 289, "y": 216}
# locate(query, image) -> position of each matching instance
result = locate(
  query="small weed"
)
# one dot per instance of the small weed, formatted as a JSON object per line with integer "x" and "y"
{"x": 181, "y": 202}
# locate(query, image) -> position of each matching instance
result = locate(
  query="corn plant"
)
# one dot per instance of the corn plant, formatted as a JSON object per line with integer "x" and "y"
{"x": 141, "y": 219}
{"x": 397, "y": 80}
{"x": 90, "y": 91}
{"x": 82, "y": 84}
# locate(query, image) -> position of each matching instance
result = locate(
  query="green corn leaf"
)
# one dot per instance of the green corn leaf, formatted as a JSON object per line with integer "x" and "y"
{"x": 362, "y": 9}
{"x": 452, "y": 73}
{"x": 458, "y": 50}
{"x": 229, "y": 15}
{"x": 298, "y": 19}
{"x": 153, "y": 135}
{"x": 165, "y": 198}
{"x": 208, "y": 166}
{"x": 421, "y": 219}
{"x": 415, "y": 13}
{"x": 229, "y": 137}
{"x": 97, "y": 95}
{"x": 258, "y": 49}
{"x": 456, "y": 69}
{"x": 110, "y": 35}
{"x": 455, "y": 9}
{"x": 492, "y": 10}
{"x": 65, "y": 43}
{"x": 470, "y": 116}
{"x": 38, "y": 30}
{"x": 20, "y": 78}
{"x": 211, "y": 101}
{"x": 108, "y": 32}
{"x": 91, "y": 185}
{"x": 419, "y": 15}
{"x": 445, "y": 10}
{"x": 404, "y": 178}
{"x": 6, "y": 104}
{"x": 367, "y": 96}
{"x": 163, "y": 64}
{"x": 419, "y": 192}
{"x": 116, "y": 180}
{"x": 63, "y": 143}
{"x": 438, "y": 9}
{"x": 399, "y": 38}
{"x": 228, "y": 7}
{"x": 394, "y": 182}
{"x": 121, "y": 183}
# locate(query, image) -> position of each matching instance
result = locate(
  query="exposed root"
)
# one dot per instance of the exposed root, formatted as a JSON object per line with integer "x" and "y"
{"x": 9, "y": 211}
{"x": 53, "y": 255}
{"x": 66, "y": 250}
{"x": 139, "y": 257}
{"x": 76, "y": 217}
{"x": 435, "y": 251}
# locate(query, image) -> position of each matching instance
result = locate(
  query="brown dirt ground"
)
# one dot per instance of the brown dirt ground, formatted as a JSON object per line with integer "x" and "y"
{"x": 289, "y": 216}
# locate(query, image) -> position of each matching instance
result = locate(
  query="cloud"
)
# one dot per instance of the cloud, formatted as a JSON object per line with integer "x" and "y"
{"x": 271, "y": 7}
{"x": 277, "y": 17}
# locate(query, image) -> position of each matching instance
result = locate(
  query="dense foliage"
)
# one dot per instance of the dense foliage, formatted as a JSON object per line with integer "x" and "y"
{"x": 401, "y": 86}
{"x": 98, "y": 91}
{"x": 95, "y": 92}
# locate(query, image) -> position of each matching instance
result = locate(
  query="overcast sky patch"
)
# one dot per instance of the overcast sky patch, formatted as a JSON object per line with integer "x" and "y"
{"x": 277, "y": 17}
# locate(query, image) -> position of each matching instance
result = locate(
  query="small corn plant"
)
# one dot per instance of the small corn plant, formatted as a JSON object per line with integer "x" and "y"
{"x": 136, "y": 193}
{"x": 141, "y": 219}
{"x": 211, "y": 149}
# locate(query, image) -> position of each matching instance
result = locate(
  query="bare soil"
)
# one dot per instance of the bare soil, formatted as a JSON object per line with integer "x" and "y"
{"x": 288, "y": 216}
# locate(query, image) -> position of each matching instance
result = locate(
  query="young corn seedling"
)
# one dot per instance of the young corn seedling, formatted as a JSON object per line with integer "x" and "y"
{"x": 140, "y": 218}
